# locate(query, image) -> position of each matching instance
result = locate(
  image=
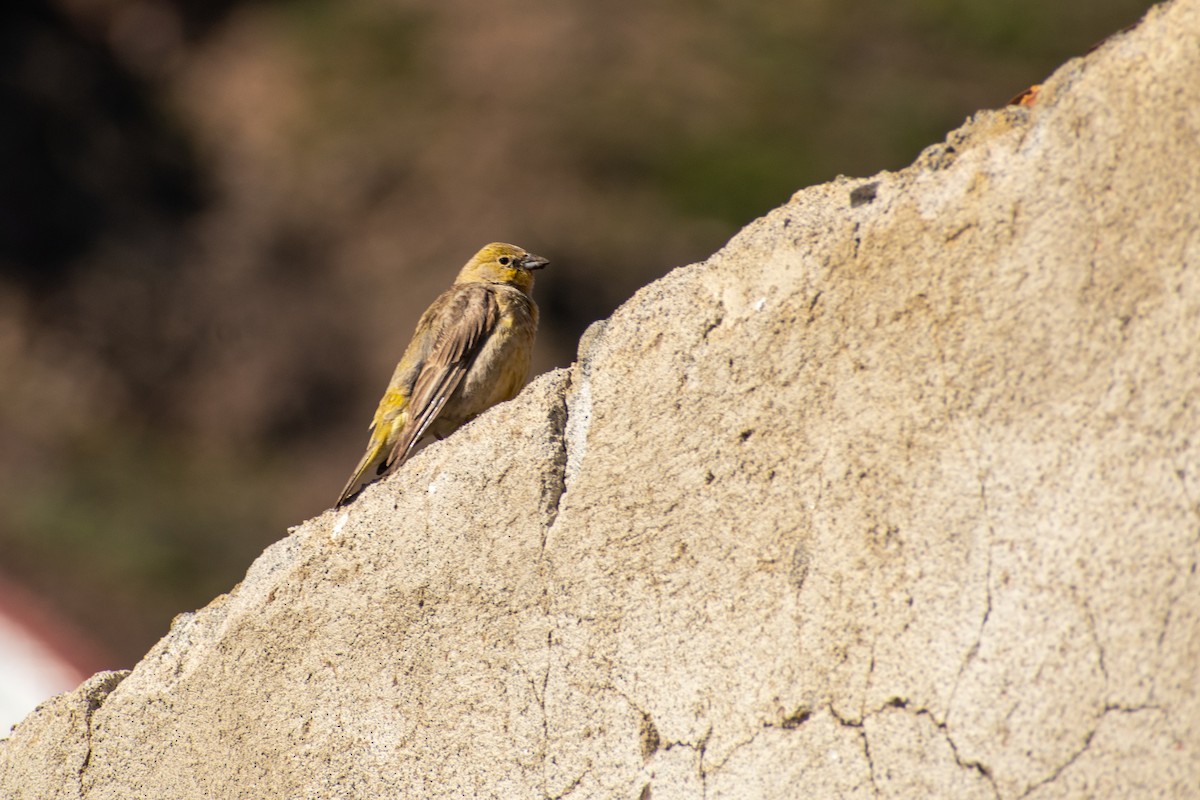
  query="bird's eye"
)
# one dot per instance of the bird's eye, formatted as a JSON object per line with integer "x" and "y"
{"x": 505, "y": 261}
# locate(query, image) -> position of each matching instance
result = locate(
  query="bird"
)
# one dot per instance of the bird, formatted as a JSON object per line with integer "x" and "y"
{"x": 471, "y": 350}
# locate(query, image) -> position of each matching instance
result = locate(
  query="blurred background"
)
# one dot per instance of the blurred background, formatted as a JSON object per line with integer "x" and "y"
{"x": 219, "y": 221}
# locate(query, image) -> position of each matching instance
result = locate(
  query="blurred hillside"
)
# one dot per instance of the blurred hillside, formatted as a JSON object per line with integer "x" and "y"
{"x": 219, "y": 222}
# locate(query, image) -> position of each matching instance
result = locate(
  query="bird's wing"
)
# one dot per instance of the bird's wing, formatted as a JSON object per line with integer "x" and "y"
{"x": 467, "y": 316}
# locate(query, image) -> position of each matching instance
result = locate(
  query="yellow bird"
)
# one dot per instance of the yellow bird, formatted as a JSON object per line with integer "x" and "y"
{"x": 471, "y": 350}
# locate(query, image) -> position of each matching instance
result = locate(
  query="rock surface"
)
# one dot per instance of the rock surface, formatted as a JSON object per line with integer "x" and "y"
{"x": 897, "y": 495}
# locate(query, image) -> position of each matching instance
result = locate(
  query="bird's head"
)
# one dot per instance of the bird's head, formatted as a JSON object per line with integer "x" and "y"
{"x": 502, "y": 263}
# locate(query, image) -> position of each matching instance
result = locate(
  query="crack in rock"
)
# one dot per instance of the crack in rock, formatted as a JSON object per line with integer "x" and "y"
{"x": 101, "y": 686}
{"x": 1087, "y": 742}
{"x": 700, "y": 748}
{"x": 572, "y": 786}
{"x": 540, "y": 696}
{"x": 554, "y": 482}
{"x": 973, "y": 651}
{"x": 866, "y": 746}
{"x": 859, "y": 727}
{"x": 789, "y": 723}
{"x": 973, "y": 766}
{"x": 648, "y": 737}
{"x": 1058, "y": 771}
{"x": 1095, "y": 634}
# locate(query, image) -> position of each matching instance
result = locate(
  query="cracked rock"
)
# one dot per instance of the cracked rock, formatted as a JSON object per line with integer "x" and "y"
{"x": 896, "y": 495}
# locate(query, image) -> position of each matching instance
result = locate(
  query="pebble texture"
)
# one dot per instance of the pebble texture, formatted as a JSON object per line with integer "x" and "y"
{"x": 897, "y": 495}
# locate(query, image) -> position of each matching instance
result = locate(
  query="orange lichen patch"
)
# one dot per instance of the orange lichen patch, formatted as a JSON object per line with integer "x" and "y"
{"x": 1027, "y": 97}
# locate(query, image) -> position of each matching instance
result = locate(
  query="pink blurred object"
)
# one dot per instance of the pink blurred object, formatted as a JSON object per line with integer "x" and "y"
{"x": 41, "y": 655}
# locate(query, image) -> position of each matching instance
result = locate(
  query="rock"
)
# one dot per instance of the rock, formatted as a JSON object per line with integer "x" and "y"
{"x": 53, "y": 749}
{"x": 896, "y": 495}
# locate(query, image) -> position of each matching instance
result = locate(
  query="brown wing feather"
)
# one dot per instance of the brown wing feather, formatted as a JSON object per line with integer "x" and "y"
{"x": 470, "y": 316}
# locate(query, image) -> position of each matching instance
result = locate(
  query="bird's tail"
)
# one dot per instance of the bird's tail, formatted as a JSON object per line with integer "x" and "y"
{"x": 373, "y": 465}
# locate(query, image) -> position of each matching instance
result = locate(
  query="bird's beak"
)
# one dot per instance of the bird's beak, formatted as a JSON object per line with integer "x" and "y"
{"x": 530, "y": 261}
